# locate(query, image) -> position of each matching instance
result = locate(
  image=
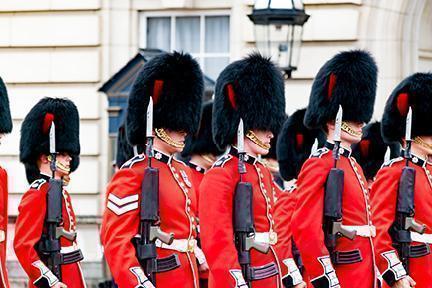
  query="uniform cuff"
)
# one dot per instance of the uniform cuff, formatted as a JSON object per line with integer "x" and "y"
{"x": 46, "y": 278}
{"x": 329, "y": 278}
{"x": 395, "y": 270}
{"x": 293, "y": 276}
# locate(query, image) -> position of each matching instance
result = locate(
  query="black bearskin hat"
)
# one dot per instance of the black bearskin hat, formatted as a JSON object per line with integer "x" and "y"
{"x": 124, "y": 150}
{"x": 370, "y": 151}
{"x": 202, "y": 142}
{"x": 5, "y": 116}
{"x": 253, "y": 89}
{"x": 348, "y": 79}
{"x": 175, "y": 81}
{"x": 294, "y": 145}
{"x": 273, "y": 143}
{"x": 415, "y": 92}
{"x": 35, "y": 133}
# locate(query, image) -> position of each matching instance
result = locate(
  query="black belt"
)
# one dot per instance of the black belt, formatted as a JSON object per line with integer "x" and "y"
{"x": 346, "y": 257}
{"x": 263, "y": 272}
{"x": 72, "y": 257}
{"x": 416, "y": 251}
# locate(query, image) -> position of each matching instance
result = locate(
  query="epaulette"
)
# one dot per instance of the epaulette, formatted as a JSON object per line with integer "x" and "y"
{"x": 319, "y": 152}
{"x": 37, "y": 184}
{"x": 133, "y": 161}
{"x": 222, "y": 160}
{"x": 390, "y": 162}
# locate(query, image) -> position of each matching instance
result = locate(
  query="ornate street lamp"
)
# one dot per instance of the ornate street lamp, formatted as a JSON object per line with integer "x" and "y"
{"x": 278, "y": 31}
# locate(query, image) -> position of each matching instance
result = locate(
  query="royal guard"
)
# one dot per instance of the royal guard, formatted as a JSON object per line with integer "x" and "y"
{"x": 200, "y": 153}
{"x": 45, "y": 231}
{"x": 371, "y": 152}
{"x": 295, "y": 144}
{"x": 332, "y": 224}
{"x": 402, "y": 191}
{"x": 149, "y": 223}
{"x": 5, "y": 128}
{"x": 237, "y": 193}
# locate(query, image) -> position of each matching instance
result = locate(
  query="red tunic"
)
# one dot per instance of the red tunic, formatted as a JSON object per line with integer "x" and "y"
{"x": 120, "y": 223}
{"x": 385, "y": 191}
{"x": 308, "y": 219}
{"x": 216, "y": 215}
{"x": 28, "y": 230}
{"x": 284, "y": 210}
{"x": 3, "y": 226}
{"x": 197, "y": 176}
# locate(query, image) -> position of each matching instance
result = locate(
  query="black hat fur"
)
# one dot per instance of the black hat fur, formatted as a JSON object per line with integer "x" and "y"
{"x": 5, "y": 115}
{"x": 35, "y": 133}
{"x": 178, "y": 104}
{"x": 294, "y": 145}
{"x": 414, "y": 91}
{"x": 202, "y": 142}
{"x": 370, "y": 151}
{"x": 253, "y": 89}
{"x": 348, "y": 79}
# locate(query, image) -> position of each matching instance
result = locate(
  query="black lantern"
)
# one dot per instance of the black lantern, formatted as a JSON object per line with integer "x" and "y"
{"x": 279, "y": 30}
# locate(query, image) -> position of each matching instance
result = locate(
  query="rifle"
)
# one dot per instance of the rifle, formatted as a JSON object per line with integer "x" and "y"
{"x": 149, "y": 230}
{"x": 404, "y": 221}
{"x": 332, "y": 224}
{"x": 49, "y": 244}
{"x": 244, "y": 227}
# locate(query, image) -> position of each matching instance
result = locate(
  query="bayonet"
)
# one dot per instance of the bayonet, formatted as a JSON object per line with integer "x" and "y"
{"x": 338, "y": 125}
{"x": 314, "y": 146}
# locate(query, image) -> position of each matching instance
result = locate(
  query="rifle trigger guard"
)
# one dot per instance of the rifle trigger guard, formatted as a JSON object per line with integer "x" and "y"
{"x": 61, "y": 232}
{"x": 157, "y": 233}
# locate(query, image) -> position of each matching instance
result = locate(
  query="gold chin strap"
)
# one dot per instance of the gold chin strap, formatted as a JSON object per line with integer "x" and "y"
{"x": 59, "y": 165}
{"x": 209, "y": 158}
{"x": 422, "y": 143}
{"x": 347, "y": 128}
{"x": 161, "y": 134}
{"x": 252, "y": 136}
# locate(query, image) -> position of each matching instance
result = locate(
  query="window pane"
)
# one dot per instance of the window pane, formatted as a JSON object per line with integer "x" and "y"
{"x": 217, "y": 34}
{"x": 159, "y": 33}
{"x": 188, "y": 34}
{"x": 214, "y": 65}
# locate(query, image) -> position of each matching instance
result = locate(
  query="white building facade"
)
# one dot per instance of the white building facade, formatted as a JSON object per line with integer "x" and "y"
{"x": 62, "y": 48}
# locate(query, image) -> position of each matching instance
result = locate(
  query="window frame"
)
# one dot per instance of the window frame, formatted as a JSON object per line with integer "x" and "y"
{"x": 172, "y": 15}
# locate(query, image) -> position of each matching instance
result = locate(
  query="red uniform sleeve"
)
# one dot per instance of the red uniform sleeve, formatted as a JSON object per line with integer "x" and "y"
{"x": 283, "y": 215}
{"x": 119, "y": 226}
{"x": 3, "y": 205}
{"x": 28, "y": 231}
{"x": 307, "y": 222}
{"x": 384, "y": 191}
{"x": 215, "y": 210}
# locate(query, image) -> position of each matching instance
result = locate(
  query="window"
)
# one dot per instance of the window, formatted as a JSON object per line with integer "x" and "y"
{"x": 205, "y": 36}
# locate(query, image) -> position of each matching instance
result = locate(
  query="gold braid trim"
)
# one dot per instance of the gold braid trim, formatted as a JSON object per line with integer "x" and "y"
{"x": 161, "y": 134}
{"x": 252, "y": 136}
{"x": 59, "y": 165}
{"x": 346, "y": 128}
{"x": 422, "y": 143}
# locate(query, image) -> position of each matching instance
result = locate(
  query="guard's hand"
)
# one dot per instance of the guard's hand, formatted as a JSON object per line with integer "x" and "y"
{"x": 406, "y": 282}
{"x": 301, "y": 285}
{"x": 203, "y": 267}
{"x": 60, "y": 285}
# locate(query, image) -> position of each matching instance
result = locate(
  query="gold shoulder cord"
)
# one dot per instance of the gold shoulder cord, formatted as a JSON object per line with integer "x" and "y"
{"x": 161, "y": 134}
{"x": 252, "y": 136}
